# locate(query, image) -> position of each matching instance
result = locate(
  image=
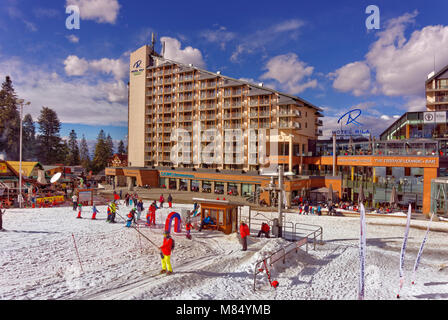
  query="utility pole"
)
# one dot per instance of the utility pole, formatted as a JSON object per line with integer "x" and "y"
{"x": 21, "y": 102}
{"x": 280, "y": 199}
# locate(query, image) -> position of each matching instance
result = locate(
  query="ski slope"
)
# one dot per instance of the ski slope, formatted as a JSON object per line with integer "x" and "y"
{"x": 38, "y": 260}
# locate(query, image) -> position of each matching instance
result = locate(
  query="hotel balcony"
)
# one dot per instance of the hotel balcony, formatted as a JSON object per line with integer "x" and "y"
{"x": 290, "y": 125}
{"x": 235, "y": 115}
{"x": 185, "y": 109}
{"x": 208, "y": 107}
{"x": 183, "y": 99}
{"x": 289, "y": 113}
{"x": 205, "y": 117}
{"x": 232, "y": 126}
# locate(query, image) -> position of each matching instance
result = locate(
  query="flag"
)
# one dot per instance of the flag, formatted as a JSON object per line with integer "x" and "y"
{"x": 403, "y": 250}
{"x": 419, "y": 255}
{"x": 362, "y": 253}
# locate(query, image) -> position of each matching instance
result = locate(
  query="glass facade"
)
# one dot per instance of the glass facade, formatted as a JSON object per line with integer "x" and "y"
{"x": 415, "y": 125}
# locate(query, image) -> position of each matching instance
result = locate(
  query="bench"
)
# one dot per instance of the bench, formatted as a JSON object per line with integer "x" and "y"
{"x": 210, "y": 226}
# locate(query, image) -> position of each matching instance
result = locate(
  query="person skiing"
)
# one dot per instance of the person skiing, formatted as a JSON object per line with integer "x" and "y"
{"x": 151, "y": 215}
{"x": 109, "y": 214}
{"x": 188, "y": 227}
{"x": 75, "y": 202}
{"x": 79, "y": 211}
{"x": 170, "y": 201}
{"x": 126, "y": 199}
{"x": 130, "y": 218}
{"x": 113, "y": 211}
{"x": 165, "y": 254}
{"x": 94, "y": 212}
{"x": 244, "y": 232}
{"x": 264, "y": 230}
{"x": 2, "y": 212}
{"x": 139, "y": 209}
{"x": 161, "y": 200}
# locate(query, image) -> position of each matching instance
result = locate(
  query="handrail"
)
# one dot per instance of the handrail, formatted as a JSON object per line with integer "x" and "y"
{"x": 275, "y": 257}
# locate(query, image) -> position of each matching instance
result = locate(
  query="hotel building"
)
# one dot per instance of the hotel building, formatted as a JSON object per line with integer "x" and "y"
{"x": 437, "y": 91}
{"x": 172, "y": 107}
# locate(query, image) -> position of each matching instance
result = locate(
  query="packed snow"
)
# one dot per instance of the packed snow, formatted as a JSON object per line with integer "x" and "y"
{"x": 38, "y": 260}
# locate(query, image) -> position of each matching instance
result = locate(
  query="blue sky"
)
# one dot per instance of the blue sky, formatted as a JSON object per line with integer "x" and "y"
{"x": 318, "y": 50}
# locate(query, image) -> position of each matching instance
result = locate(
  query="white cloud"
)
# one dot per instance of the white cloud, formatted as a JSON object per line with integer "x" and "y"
{"x": 79, "y": 100}
{"x": 256, "y": 42}
{"x": 15, "y": 13}
{"x": 399, "y": 64}
{"x": 221, "y": 36}
{"x": 117, "y": 67}
{"x": 75, "y": 66}
{"x": 187, "y": 55}
{"x": 290, "y": 72}
{"x": 101, "y": 11}
{"x": 72, "y": 38}
{"x": 353, "y": 77}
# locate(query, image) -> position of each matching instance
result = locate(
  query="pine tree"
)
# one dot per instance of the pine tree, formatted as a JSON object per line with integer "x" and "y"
{"x": 102, "y": 153}
{"x": 62, "y": 154}
{"x": 29, "y": 139}
{"x": 84, "y": 154}
{"x": 121, "y": 148}
{"x": 9, "y": 121}
{"x": 73, "y": 156}
{"x": 110, "y": 145}
{"x": 49, "y": 141}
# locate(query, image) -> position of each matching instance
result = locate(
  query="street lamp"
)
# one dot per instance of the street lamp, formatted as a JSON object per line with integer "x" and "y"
{"x": 27, "y": 103}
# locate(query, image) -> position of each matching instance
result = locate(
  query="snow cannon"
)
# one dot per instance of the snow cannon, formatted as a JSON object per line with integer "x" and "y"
{"x": 173, "y": 216}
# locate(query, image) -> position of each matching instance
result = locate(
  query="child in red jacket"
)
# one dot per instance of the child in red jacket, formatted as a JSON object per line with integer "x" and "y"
{"x": 188, "y": 227}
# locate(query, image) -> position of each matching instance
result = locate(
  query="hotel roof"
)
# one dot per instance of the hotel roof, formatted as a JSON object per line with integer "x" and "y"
{"x": 438, "y": 74}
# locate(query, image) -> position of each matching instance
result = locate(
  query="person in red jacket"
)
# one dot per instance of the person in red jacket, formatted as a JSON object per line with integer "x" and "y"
{"x": 264, "y": 230}
{"x": 151, "y": 215}
{"x": 188, "y": 227}
{"x": 161, "y": 200}
{"x": 166, "y": 249}
{"x": 244, "y": 232}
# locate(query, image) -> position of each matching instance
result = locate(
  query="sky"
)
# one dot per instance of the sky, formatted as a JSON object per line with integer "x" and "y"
{"x": 318, "y": 50}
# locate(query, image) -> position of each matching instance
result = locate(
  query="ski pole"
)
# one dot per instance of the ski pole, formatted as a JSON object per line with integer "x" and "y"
{"x": 140, "y": 233}
{"x": 77, "y": 252}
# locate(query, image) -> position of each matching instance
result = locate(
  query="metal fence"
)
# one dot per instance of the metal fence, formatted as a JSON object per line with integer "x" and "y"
{"x": 277, "y": 256}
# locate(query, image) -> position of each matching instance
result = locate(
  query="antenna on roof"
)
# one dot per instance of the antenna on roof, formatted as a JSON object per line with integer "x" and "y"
{"x": 153, "y": 41}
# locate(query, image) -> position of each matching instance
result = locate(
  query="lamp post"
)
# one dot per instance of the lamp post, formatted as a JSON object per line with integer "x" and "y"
{"x": 21, "y": 102}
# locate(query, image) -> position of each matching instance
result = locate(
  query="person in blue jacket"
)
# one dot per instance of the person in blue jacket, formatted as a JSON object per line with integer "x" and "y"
{"x": 207, "y": 220}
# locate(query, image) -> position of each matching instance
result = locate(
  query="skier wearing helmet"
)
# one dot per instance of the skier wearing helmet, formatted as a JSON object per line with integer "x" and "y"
{"x": 131, "y": 215}
{"x": 79, "y": 211}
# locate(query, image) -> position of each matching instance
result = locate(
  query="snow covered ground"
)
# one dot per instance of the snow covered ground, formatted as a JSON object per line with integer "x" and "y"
{"x": 38, "y": 260}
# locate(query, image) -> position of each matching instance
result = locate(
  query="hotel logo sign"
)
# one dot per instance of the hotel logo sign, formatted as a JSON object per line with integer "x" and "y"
{"x": 137, "y": 68}
{"x": 351, "y": 118}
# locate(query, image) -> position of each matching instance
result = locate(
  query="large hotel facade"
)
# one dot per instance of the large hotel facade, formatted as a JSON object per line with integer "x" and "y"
{"x": 177, "y": 111}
